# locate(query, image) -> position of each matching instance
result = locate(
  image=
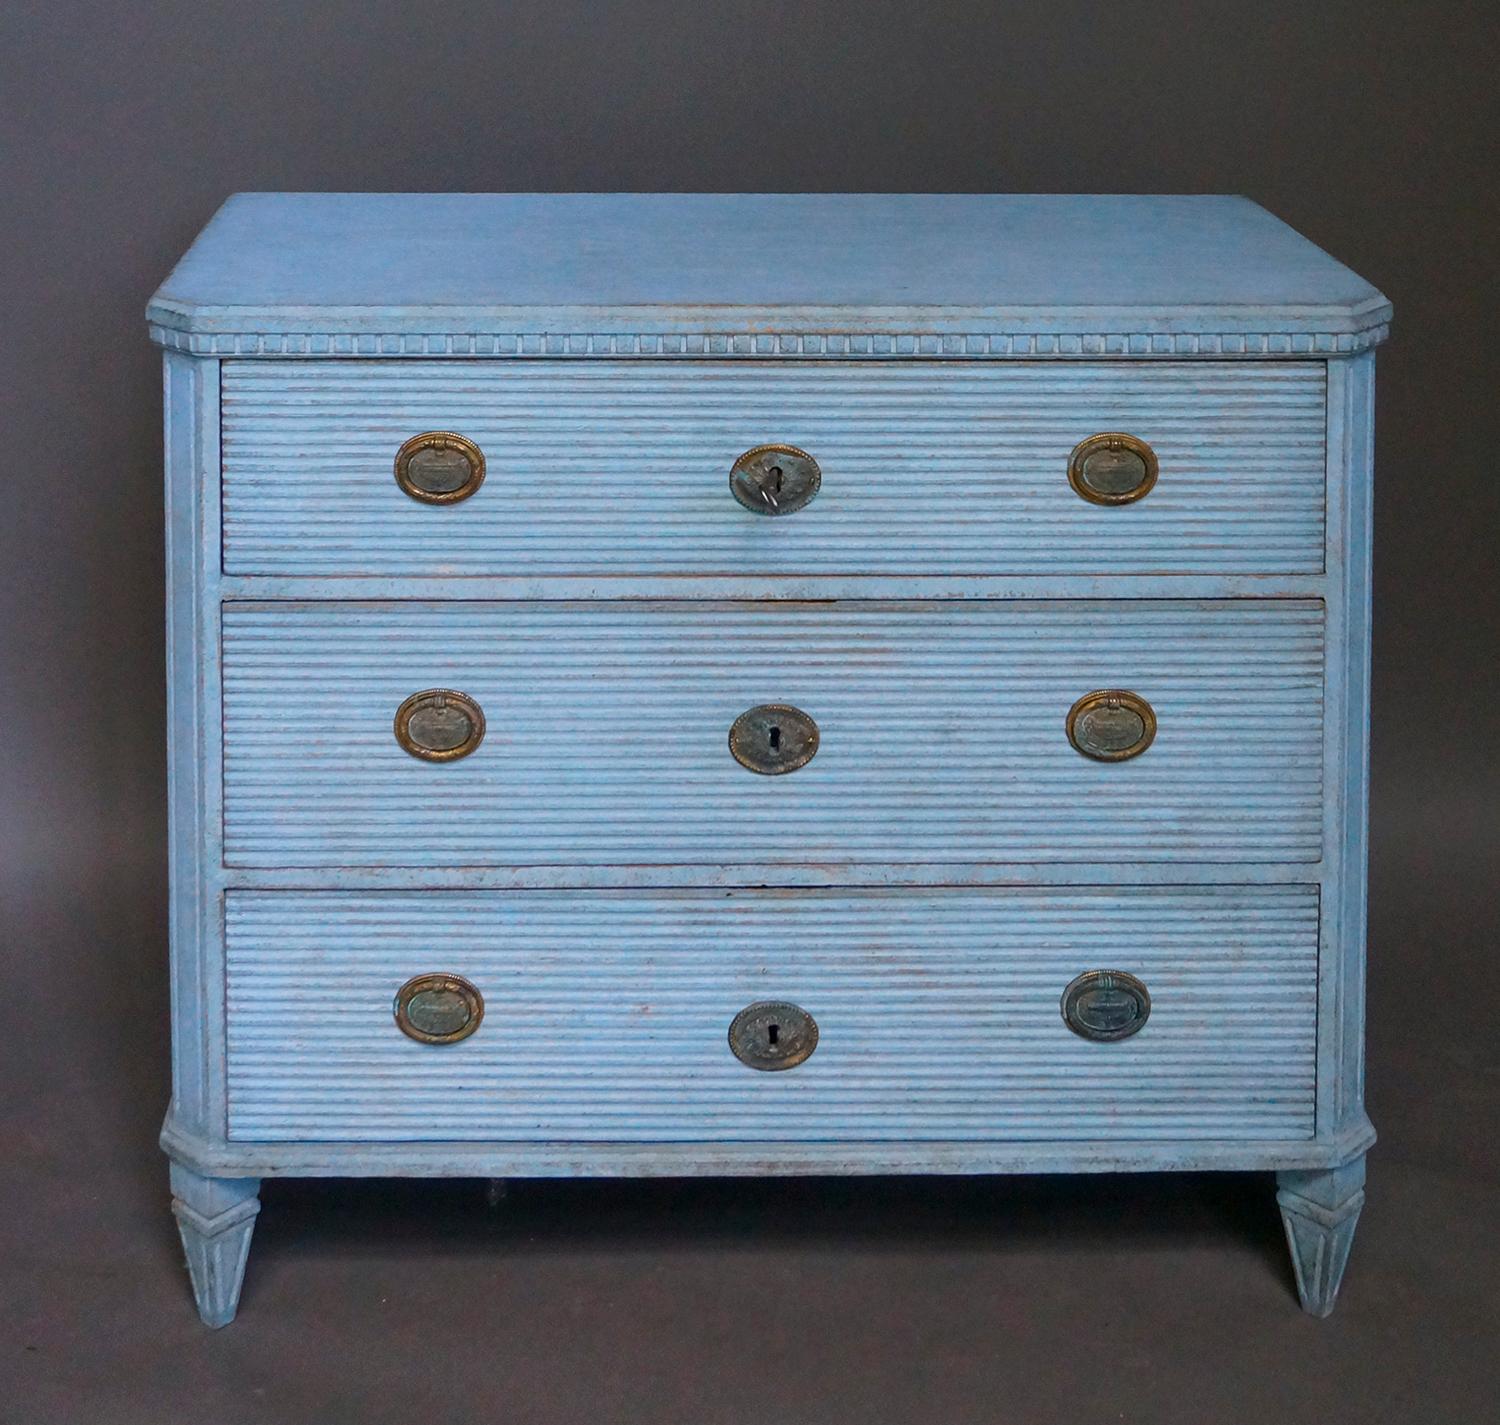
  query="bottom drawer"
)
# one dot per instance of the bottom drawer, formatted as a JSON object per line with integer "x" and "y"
{"x": 606, "y": 1015}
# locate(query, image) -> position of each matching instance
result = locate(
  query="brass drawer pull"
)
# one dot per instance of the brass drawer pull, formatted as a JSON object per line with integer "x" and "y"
{"x": 775, "y": 479}
{"x": 773, "y": 738}
{"x": 439, "y": 467}
{"x": 439, "y": 725}
{"x": 1105, "y": 1005}
{"x": 438, "y": 1009}
{"x": 1112, "y": 469}
{"x": 1111, "y": 725}
{"x": 773, "y": 1035}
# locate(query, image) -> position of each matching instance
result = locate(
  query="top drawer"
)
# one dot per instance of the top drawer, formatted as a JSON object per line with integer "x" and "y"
{"x": 622, "y": 468}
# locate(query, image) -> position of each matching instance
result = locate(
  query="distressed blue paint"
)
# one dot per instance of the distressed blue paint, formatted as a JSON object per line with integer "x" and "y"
{"x": 943, "y": 733}
{"x": 714, "y": 1158}
{"x": 871, "y": 274}
{"x": 938, "y": 1015}
{"x": 953, "y": 856}
{"x": 215, "y": 1219}
{"x": 618, "y": 469}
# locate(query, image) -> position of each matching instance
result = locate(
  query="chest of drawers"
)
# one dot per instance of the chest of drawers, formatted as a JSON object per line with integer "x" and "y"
{"x": 668, "y": 684}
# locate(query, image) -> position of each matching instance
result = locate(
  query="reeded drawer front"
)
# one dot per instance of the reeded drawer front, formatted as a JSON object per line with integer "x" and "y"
{"x": 607, "y": 1015}
{"x": 623, "y": 469}
{"x": 942, "y": 733}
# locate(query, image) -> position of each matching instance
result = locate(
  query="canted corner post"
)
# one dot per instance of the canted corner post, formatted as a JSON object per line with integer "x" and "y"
{"x": 215, "y": 1217}
{"x": 1319, "y": 1208}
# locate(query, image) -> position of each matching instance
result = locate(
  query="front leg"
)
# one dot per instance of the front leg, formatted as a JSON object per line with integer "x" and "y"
{"x": 215, "y": 1217}
{"x": 1319, "y": 1209}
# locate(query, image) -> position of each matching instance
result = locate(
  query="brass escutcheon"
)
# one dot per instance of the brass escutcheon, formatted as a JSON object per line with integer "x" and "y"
{"x": 772, "y": 1035}
{"x": 1105, "y": 1005}
{"x": 773, "y": 738}
{"x": 439, "y": 725}
{"x": 1112, "y": 468}
{"x": 439, "y": 467}
{"x": 774, "y": 479}
{"x": 438, "y": 1009}
{"x": 1111, "y": 725}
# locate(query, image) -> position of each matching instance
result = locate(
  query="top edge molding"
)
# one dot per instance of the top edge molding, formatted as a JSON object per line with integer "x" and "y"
{"x": 797, "y": 345}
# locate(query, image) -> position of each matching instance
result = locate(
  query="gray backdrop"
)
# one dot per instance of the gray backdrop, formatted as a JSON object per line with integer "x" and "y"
{"x": 1371, "y": 128}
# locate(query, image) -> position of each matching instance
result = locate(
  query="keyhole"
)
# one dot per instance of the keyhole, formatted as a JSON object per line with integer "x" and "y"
{"x": 773, "y": 1033}
{"x": 775, "y": 473}
{"x": 775, "y": 739}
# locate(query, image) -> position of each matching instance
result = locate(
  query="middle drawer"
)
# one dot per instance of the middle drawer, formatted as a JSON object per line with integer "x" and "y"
{"x": 943, "y": 733}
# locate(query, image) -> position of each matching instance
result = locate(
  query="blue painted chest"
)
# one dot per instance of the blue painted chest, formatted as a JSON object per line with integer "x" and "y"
{"x": 736, "y": 684}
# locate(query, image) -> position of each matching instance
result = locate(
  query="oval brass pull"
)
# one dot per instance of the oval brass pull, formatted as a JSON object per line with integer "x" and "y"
{"x": 775, "y": 479}
{"x": 1105, "y": 1005}
{"x": 439, "y": 467}
{"x": 1111, "y": 725}
{"x": 1112, "y": 468}
{"x": 773, "y": 738}
{"x": 439, "y": 725}
{"x": 772, "y": 1035}
{"x": 438, "y": 1009}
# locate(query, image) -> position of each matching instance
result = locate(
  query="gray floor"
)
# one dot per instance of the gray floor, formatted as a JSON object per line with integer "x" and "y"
{"x": 1152, "y": 1298}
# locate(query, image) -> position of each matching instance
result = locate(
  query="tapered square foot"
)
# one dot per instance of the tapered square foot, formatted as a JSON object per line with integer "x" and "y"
{"x": 215, "y": 1217}
{"x": 1320, "y": 1210}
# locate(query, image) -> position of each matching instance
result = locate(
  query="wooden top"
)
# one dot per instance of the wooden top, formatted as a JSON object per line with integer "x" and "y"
{"x": 454, "y": 273}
